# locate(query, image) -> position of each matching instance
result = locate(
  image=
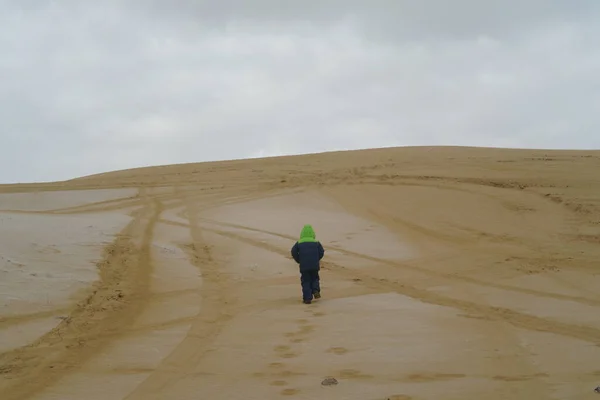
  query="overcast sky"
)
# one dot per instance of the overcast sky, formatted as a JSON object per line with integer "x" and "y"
{"x": 93, "y": 86}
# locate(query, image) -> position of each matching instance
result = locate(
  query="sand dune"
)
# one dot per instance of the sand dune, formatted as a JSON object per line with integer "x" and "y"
{"x": 454, "y": 273}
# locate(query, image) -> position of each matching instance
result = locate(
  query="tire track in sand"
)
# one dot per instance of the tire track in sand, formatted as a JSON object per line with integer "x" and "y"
{"x": 512, "y": 361}
{"x": 515, "y": 318}
{"x": 432, "y": 274}
{"x": 114, "y": 300}
{"x": 215, "y": 312}
{"x": 277, "y": 371}
{"x": 105, "y": 205}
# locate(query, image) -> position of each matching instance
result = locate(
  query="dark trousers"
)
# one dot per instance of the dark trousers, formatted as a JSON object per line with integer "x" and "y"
{"x": 310, "y": 284}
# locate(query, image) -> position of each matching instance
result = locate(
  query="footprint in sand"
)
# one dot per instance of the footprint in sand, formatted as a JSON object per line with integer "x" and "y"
{"x": 286, "y": 373}
{"x": 307, "y": 328}
{"x": 289, "y": 392}
{"x": 354, "y": 374}
{"x": 289, "y": 355}
{"x": 430, "y": 377}
{"x": 284, "y": 351}
{"x": 277, "y": 372}
{"x": 337, "y": 350}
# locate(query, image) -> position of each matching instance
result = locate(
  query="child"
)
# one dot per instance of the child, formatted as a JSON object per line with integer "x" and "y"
{"x": 308, "y": 252}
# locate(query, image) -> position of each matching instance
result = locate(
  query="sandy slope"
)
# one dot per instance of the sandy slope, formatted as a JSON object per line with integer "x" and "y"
{"x": 452, "y": 273}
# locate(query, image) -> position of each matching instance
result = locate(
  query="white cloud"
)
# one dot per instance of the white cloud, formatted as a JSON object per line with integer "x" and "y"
{"x": 89, "y": 87}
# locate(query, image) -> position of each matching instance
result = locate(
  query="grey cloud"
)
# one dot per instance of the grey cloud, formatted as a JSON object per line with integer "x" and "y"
{"x": 88, "y": 87}
{"x": 392, "y": 19}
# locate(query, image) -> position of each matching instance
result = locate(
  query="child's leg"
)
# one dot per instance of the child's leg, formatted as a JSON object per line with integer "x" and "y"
{"x": 316, "y": 284}
{"x": 306, "y": 282}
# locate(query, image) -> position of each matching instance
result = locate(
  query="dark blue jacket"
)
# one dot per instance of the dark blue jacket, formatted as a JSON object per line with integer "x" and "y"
{"x": 308, "y": 255}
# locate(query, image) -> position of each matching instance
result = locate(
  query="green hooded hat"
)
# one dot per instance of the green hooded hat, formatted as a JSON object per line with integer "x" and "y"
{"x": 307, "y": 234}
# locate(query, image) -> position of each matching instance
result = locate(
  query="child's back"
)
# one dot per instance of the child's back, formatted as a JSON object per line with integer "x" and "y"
{"x": 308, "y": 252}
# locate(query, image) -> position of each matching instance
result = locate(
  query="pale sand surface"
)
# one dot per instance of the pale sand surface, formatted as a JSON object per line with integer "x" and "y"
{"x": 452, "y": 273}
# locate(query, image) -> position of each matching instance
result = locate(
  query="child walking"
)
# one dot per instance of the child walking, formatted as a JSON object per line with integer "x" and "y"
{"x": 308, "y": 252}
